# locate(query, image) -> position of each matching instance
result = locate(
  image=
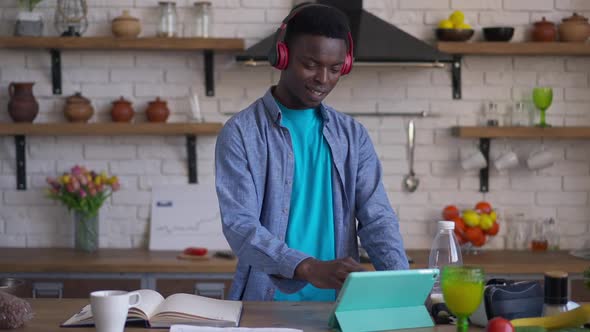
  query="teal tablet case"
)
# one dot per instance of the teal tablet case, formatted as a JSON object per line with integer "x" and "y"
{"x": 383, "y": 300}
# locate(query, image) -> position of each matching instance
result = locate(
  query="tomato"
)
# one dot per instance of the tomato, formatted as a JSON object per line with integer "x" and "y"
{"x": 484, "y": 207}
{"x": 450, "y": 212}
{"x": 499, "y": 324}
{"x": 494, "y": 230}
{"x": 476, "y": 236}
{"x": 195, "y": 251}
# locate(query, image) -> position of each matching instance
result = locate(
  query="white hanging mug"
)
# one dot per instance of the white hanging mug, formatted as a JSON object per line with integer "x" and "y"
{"x": 540, "y": 159}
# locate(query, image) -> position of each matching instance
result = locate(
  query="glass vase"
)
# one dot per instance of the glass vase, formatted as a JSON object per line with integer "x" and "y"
{"x": 85, "y": 232}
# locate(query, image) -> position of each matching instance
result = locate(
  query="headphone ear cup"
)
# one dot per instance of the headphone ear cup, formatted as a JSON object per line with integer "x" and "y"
{"x": 347, "y": 65}
{"x": 282, "y": 56}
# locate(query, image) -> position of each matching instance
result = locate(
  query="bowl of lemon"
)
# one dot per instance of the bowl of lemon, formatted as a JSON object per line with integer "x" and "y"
{"x": 454, "y": 28}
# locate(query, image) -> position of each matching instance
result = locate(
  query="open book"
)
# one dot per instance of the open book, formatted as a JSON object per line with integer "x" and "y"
{"x": 179, "y": 308}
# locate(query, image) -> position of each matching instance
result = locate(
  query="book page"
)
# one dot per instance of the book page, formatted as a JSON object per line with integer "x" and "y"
{"x": 148, "y": 305}
{"x": 188, "y": 328}
{"x": 200, "y": 306}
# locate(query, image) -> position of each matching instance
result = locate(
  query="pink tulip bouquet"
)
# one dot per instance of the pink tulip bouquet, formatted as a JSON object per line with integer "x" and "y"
{"x": 83, "y": 191}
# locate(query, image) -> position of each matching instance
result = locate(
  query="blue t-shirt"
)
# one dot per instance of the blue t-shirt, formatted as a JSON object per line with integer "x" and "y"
{"x": 311, "y": 216}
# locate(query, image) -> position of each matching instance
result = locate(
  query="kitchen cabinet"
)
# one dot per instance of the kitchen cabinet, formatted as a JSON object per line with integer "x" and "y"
{"x": 55, "y": 44}
{"x": 485, "y": 134}
{"x": 460, "y": 49}
{"x": 163, "y": 271}
{"x": 190, "y": 130}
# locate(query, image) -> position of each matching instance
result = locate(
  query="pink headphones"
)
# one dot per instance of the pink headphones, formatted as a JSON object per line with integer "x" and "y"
{"x": 279, "y": 54}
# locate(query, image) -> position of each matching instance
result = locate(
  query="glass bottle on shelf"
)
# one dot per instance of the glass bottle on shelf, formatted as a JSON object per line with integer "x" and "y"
{"x": 491, "y": 117}
{"x": 520, "y": 115}
{"x": 203, "y": 20}
{"x": 168, "y": 19}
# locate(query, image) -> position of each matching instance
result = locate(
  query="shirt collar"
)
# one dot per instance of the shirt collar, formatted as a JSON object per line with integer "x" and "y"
{"x": 275, "y": 112}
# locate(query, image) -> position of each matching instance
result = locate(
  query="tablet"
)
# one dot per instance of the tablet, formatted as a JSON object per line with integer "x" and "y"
{"x": 383, "y": 300}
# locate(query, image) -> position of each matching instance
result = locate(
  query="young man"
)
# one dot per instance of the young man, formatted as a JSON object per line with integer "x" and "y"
{"x": 293, "y": 175}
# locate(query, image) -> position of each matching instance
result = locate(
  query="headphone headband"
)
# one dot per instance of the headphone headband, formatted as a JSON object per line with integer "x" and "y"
{"x": 279, "y": 54}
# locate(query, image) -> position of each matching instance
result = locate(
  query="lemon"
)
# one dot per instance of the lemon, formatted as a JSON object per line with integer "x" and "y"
{"x": 457, "y": 17}
{"x": 463, "y": 26}
{"x": 493, "y": 215}
{"x": 445, "y": 24}
{"x": 471, "y": 218}
{"x": 485, "y": 222}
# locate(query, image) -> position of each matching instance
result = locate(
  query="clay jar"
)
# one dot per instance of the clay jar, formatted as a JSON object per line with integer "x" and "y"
{"x": 544, "y": 31}
{"x": 574, "y": 29}
{"x": 22, "y": 105}
{"x": 157, "y": 111}
{"x": 126, "y": 26}
{"x": 122, "y": 111}
{"x": 78, "y": 108}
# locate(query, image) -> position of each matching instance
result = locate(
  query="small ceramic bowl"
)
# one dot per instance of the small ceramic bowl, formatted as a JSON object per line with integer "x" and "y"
{"x": 456, "y": 35}
{"x": 498, "y": 34}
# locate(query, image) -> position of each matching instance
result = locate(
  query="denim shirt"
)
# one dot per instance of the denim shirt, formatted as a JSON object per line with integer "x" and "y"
{"x": 254, "y": 173}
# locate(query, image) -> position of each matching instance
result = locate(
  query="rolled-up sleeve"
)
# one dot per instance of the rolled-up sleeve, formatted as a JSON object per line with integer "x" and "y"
{"x": 378, "y": 224}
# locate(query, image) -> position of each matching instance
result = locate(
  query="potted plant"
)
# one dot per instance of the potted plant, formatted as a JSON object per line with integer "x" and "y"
{"x": 83, "y": 192}
{"x": 28, "y": 22}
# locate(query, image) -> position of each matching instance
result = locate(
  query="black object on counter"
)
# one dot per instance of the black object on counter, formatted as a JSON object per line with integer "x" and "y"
{"x": 498, "y": 34}
{"x": 556, "y": 287}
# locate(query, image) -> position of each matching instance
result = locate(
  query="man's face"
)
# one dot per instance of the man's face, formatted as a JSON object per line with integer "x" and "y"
{"x": 314, "y": 69}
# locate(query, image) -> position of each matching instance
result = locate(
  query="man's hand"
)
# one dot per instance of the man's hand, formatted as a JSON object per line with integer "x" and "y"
{"x": 326, "y": 274}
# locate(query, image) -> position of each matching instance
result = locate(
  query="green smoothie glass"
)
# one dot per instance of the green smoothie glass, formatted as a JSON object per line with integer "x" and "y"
{"x": 462, "y": 288}
{"x": 543, "y": 97}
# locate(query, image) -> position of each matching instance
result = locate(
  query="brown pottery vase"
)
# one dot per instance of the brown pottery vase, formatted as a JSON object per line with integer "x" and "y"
{"x": 122, "y": 111}
{"x": 126, "y": 26}
{"x": 22, "y": 105}
{"x": 574, "y": 29}
{"x": 544, "y": 31}
{"x": 157, "y": 111}
{"x": 78, "y": 108}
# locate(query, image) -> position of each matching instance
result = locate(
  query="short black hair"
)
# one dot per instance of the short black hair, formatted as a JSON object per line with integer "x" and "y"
{"x": 317, "y": 20}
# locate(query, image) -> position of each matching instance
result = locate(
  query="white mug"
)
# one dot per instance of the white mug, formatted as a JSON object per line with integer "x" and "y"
{"x": 506, "y": 160}
{"x": 540, "y": 159}
{"x": 110, "y": 307}
{"x": 474, "y": 159}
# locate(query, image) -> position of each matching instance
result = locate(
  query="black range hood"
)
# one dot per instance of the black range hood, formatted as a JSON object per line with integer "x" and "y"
{"x": 375, "y": 41}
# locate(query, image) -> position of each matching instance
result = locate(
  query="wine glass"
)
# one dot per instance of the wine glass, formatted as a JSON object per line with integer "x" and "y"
{"x": 462, "y": 288}
{"x": 543, "y": 97}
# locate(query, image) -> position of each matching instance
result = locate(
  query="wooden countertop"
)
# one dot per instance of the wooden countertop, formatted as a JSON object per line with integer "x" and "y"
{"x": 55, "y": 260}
{"x": 307, "y": 316}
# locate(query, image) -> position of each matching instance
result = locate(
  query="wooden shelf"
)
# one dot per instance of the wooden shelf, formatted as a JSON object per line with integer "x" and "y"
{"x": 522, "y": 132}
{"x": 21, "y": 130}
{"x": 56, "y": 44}
{"x": 108, "y": 129}
{"x": 147, "y": 43}
{"x": 506, "y": 48}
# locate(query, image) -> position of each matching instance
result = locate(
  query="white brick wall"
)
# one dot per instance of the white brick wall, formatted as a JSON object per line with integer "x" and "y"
{"x": 29, "y": 219}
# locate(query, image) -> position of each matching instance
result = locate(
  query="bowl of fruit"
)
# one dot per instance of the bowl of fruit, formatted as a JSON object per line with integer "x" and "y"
{"x": 454, "y": 28}
{"x": 473, "y": 227}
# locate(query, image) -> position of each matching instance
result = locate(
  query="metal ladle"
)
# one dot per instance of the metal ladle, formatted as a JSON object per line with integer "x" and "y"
{"x": 411, "y": 181}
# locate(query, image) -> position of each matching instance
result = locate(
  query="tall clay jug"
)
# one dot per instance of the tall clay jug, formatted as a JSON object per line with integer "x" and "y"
{"x": 22, "y": 105}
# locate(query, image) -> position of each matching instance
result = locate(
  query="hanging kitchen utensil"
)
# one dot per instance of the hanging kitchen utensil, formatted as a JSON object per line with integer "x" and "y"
{"x": 71, "y": 17}
{"x": 411, "y": 182}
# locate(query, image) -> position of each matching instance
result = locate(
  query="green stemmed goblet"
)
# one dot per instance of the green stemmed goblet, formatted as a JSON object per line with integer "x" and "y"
{"x": 543, "y": 97}
{"x": 462, "y": 288}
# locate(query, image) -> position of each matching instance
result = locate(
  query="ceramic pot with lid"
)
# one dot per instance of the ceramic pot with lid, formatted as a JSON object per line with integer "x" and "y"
{"x": 126, "y": 26}
{"x": 574, "y": 29}
{"x": 122, "y": 111}
{"x": 544, "y": 31}
{"x": 78, "y": 108}
{"x": 157, "y": 111}
{"x": 22, "y": 106}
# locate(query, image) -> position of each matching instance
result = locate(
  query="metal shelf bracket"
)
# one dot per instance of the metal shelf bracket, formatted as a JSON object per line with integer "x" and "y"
{"x": 209, "y": 73}
{"x": 56, "y": 71}
{"x": 21, "y": 162}
{"x": 456, "y": 73}
{"x": 484, "y": 173}
{"x": 191, "y": 154}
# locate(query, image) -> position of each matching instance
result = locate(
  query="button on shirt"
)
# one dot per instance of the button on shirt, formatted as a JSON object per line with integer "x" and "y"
{"x": 254, "y": 161}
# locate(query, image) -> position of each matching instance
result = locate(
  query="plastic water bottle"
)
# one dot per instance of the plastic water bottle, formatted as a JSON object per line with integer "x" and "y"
{"x": 445, "y": 251}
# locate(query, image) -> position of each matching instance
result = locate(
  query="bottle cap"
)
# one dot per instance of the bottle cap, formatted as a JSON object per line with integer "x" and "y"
{"x": 556, "y": 287}
{"x": 446, "y": 225}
